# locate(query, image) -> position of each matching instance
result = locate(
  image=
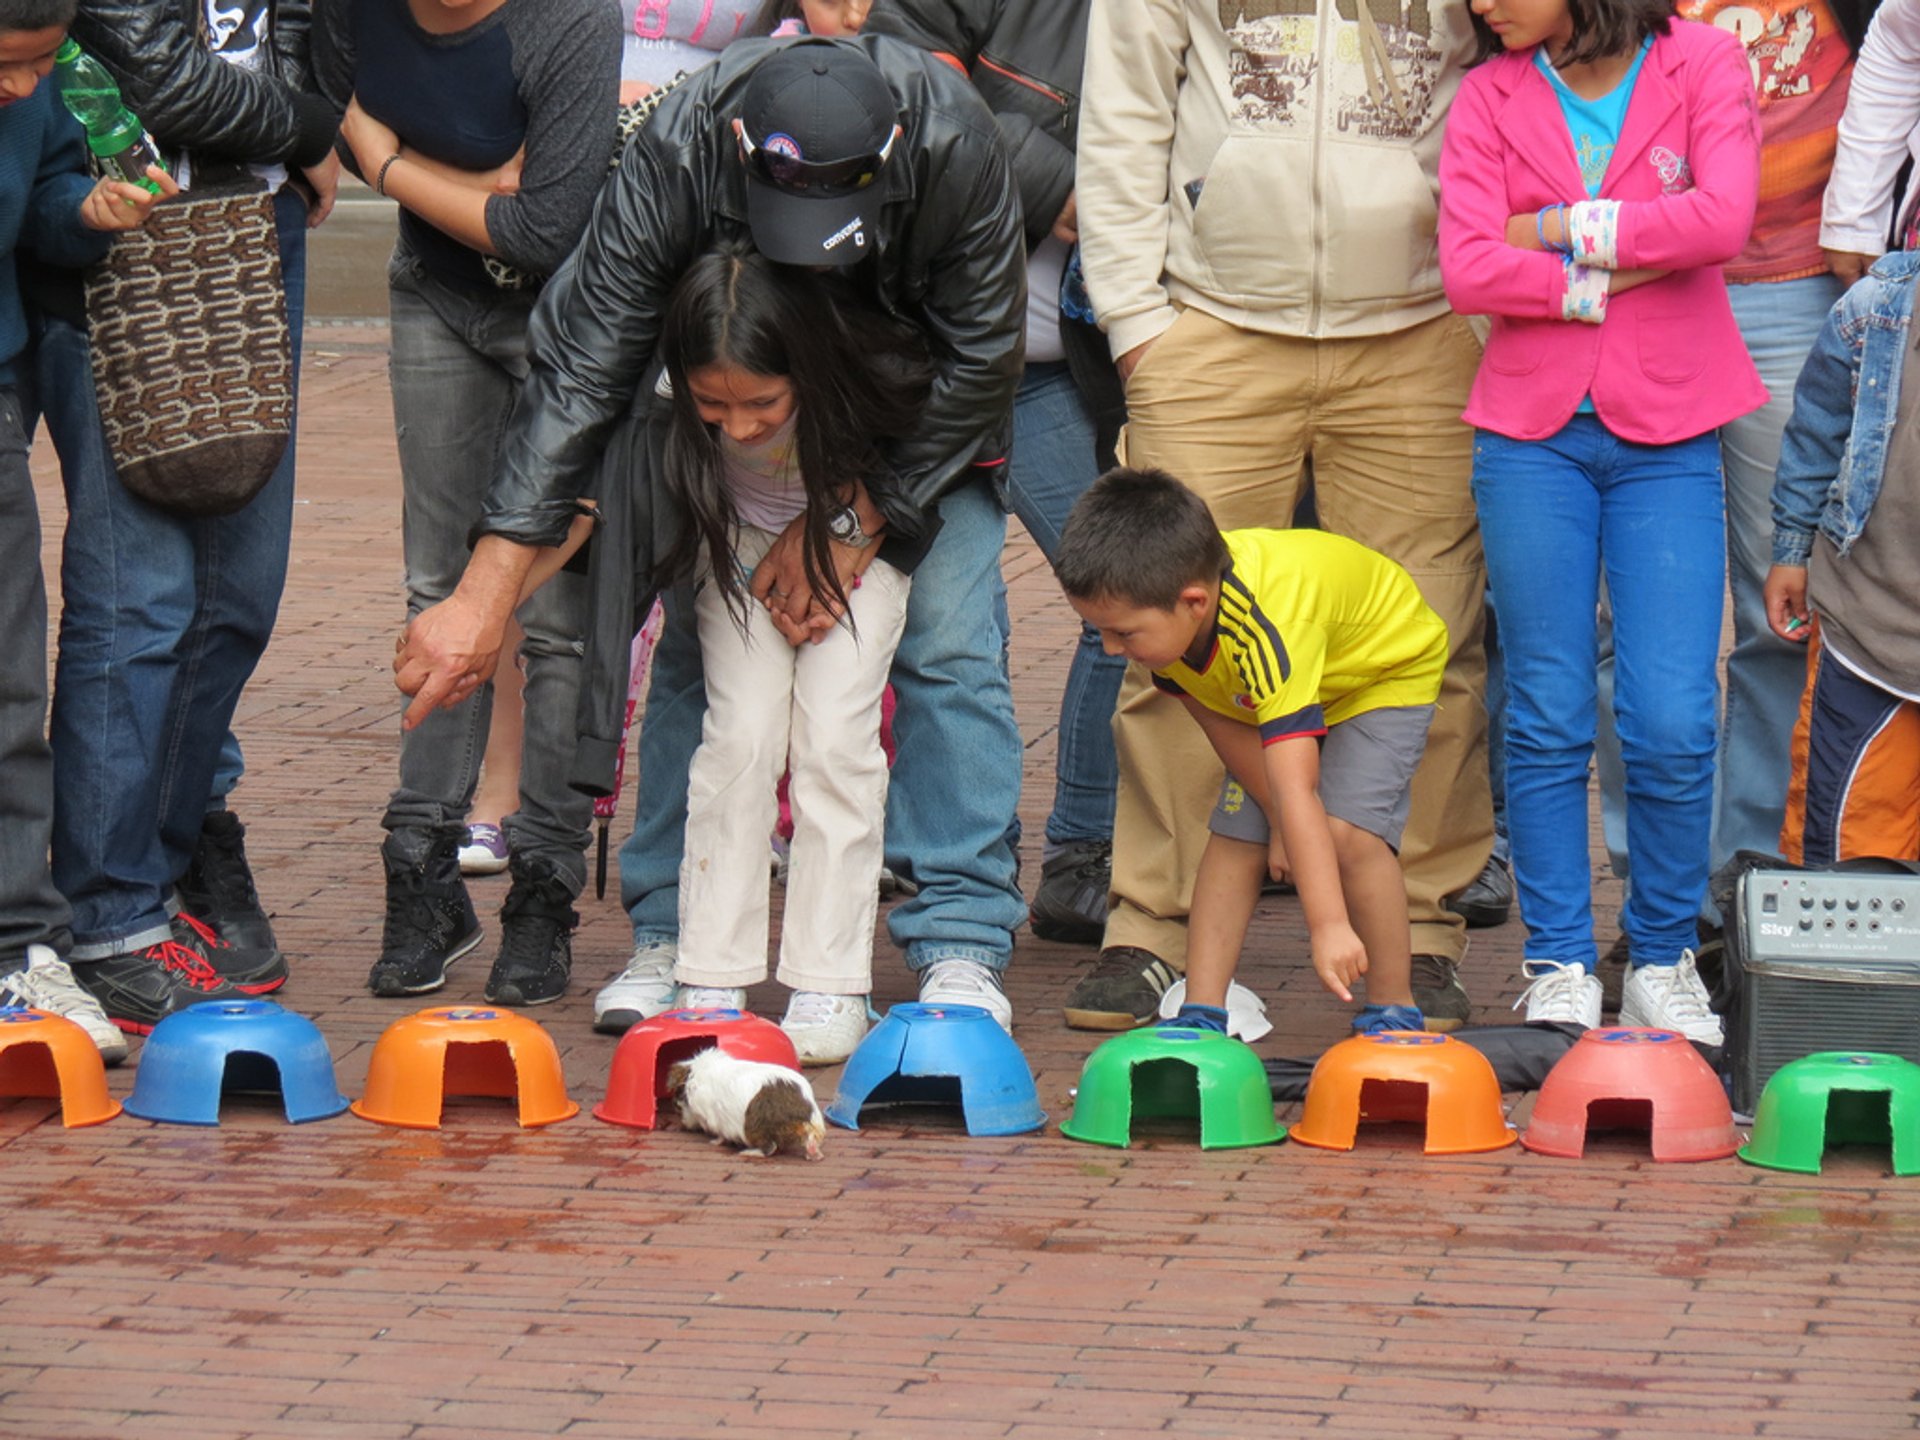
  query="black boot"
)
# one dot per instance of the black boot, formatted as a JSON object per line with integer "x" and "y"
{"x": 536, "y": 936}
{"x": 218, "y": 886}
{"x": 430, "y": 921}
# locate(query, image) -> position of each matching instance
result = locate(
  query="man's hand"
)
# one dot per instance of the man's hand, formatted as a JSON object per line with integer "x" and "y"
{"x": 115, "y": 205}
{"x": 1849, "y": 266}
{"x": 449, "y": 650}
{"x": 1785, "y": 594}
{"x": 1066, "y": 225}
{"x": 1130, "y": 362}
{"x": 325, "y": 180}
{"x": 1339, "y": 958}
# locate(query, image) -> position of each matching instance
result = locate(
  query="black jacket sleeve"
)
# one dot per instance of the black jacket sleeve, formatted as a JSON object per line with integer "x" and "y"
{"x": 192, "y": 99}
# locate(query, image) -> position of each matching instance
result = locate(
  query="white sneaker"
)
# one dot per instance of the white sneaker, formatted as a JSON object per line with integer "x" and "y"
{"x": 45, "y": 983}
{"x": 825, "y": 1029}
{"x": 709, "y": 997}
{"x": 1560, "y": 994}
{"x": 966, "y": 982}
{"x": 639, "y": 992}
{"x": 1671, "y": 997}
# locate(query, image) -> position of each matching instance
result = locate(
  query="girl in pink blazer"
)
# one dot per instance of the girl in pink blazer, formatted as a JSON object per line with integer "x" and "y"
{"x": 1597, "y": 171}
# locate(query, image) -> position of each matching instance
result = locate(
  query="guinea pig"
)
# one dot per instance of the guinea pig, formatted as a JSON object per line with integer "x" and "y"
{"x": 765, "y": 1108}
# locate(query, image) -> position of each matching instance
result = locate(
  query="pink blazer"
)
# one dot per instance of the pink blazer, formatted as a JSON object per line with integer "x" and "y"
{"x": 1668, "y": 361}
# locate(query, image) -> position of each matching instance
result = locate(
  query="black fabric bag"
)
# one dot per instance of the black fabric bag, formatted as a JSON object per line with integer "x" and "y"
{"x": 192, "y": 354}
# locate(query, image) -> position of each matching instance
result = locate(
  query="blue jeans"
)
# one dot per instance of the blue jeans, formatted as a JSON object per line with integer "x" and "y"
{"x": 1765, "y": 674}
{"x": 31, "y": 910}
{"x": 1497, "y": 734}
{"x": 1053, "y": 464}
{"x": 1554, "y": 515}
{"x": 956, "y": 775}
{"x": 163, "y": 620}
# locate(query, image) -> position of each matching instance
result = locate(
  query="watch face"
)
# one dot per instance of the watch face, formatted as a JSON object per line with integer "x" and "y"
{"x": 843, "y": 524}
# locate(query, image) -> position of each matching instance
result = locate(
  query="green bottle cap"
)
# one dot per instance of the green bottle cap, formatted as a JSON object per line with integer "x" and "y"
{"x": 126, "y": 133}
{"x": 68, "y": 52}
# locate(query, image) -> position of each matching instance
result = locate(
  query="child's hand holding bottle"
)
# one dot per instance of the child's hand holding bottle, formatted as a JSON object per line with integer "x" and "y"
{"x": 115, "y": 205}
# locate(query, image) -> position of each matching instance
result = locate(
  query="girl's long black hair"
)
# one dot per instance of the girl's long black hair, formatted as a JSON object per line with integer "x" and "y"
{"x": 1600, "y": 28}
{"x": 859, "y": 378}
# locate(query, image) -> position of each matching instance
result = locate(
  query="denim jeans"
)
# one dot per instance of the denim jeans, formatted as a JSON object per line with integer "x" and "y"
{"x": 1053, "y": 464}
{"x": 163, "y": 620}
{"x": 1765, "y": 674}
{"x": 31, "y": 910}
{"x": 956, "y": 777}
{"x": 1554, "y": 515}
{"x": 459, "y": 357}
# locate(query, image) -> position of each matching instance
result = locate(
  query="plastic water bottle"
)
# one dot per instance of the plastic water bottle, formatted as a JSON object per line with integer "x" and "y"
{"x": 119, "y": 142}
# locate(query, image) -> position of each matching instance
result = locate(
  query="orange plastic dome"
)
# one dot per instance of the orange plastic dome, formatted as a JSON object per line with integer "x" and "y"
{"x": 50, "y": 1056}
{"x": 463, "y": 1050}
{"x": 1405, "y": 1075}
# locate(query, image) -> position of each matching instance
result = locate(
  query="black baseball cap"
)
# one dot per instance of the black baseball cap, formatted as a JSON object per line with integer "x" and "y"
{"x": 816, "y": 125}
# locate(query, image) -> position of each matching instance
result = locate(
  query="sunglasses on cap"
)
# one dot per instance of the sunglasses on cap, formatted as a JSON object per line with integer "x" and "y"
{"x": 790, "y": 172}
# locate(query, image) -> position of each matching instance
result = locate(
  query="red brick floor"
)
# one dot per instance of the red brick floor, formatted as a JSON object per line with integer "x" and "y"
{"x": 343, "y": 1280}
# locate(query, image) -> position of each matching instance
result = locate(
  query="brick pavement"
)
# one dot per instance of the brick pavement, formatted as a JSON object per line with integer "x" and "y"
{"x": 339, "y": 1280}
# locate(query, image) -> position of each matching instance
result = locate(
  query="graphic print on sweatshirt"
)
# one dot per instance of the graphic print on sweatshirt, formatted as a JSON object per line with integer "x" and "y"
{"x": 1380, "y": 79}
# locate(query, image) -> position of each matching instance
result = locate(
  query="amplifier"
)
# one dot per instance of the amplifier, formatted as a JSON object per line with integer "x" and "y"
{"x": 1831, "y": 961}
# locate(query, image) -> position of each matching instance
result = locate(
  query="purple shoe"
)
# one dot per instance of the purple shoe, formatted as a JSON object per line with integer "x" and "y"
{"x": 485, "y": 852}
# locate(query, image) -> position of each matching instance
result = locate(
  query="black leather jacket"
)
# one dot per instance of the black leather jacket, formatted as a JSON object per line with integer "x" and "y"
{"x": 191, "y": 99}
{"x": 948, "y": 257}
{"x": 1024, "y": 57}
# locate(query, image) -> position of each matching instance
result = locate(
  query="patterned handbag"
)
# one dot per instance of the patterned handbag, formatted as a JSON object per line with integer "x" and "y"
{"x": 192, "y": 355}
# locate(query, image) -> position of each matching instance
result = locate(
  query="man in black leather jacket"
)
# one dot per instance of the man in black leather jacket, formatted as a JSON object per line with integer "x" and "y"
{"x": 941, "y": 246}
{"x": 166, "y": 617}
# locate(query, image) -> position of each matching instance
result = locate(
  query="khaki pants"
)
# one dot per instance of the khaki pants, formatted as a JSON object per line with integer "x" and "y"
{"x": 1236, "y": 415}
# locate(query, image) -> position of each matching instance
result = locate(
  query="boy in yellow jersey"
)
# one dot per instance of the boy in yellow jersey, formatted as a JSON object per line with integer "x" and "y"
{"x": 1312, "y": 665}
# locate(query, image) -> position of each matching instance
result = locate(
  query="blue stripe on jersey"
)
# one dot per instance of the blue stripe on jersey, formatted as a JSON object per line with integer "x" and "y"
{"x": 1310, "y": 721}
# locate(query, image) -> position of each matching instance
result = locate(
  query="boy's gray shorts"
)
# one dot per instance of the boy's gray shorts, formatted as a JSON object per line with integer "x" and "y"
{"x": 1366, "y": 777}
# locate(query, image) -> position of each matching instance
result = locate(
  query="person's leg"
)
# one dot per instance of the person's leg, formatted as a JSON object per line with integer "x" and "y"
{"x": 1662, "y": 543}
{"x": 1392, "y": 464}
{"x": 840, "y": 792}
{"x": 1226, "y": 890}
{"x": 1225, "y": 411}
{"x": 1856, "y": 769}
{"x": 650, "y": 856}
{"x": 32, "y": 912}
{"x": 127, "y": 597}
{"x": 498, "y": 792}
{"x": 1540, "y": 522}
{"x": 954, "y": 717}
{"x": 1663, "y": 539}
{"x": 240, "y": 570}
{"x": 1764, "y": 672}
{"x": 1053, "y": 464}
{"x": 744, "y": 737}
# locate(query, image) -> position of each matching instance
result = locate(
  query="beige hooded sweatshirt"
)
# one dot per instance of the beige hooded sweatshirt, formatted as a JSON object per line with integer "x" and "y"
{"x": 1271, "y": 162}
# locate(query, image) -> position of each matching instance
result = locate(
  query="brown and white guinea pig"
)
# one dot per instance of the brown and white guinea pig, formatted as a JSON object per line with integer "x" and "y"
{"x": 765, "y": 1108}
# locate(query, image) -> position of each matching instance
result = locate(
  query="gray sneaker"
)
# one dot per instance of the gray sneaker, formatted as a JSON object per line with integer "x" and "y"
{"x": 1488, "y": 901}
{"x": 1439, "y": 994}
{"x": 45, "y": 983}
{"x": 1071, "y": 904}
{"x": 639, "y": 992}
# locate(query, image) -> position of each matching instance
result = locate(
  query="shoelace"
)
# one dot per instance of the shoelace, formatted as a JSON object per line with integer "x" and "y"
{"x": 1683, "y": 1003}
{"x": 1559, "y": 991}
{"x": 972, "y": 979}
{"x": 174, "y": 956}
{"x": 809, "y": 1008}
{"x": 709, "y": 997}
{"x": 225, "y": 873}
{"x": 40, "y": 988}
{"x": 209, "y": 937}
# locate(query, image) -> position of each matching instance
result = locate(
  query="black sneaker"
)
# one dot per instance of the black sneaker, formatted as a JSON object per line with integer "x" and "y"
{"x": 218, "y": 886}
{"x": 430, "y": 921}
{"x": 251, "y": 972}
{"x": 1439, "y": 994}
{"x": 1121, "y": 992}
{"x": 142, "y": 987}
{"x": 1488, "y": 901}
{"x": 1071, "y": 904}
{"x": 536, "y": 930}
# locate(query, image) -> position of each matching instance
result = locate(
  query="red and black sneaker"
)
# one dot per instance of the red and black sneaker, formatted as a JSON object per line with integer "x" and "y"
{"x": 250, "y": 971}
{"x": 142, "y": 987}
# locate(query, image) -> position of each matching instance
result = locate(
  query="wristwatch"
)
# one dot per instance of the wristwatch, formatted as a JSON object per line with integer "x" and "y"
{"x": 843, "y": 524}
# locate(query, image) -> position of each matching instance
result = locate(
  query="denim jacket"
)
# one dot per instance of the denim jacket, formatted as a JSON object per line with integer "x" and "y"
{"x": 1844, "y": 407}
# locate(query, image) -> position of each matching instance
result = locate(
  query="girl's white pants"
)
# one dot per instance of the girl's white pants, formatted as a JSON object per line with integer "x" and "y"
{"x": 815, "y": 708}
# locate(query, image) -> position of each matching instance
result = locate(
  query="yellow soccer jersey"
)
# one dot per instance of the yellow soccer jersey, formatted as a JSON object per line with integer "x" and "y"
{"x": 1313, "y": 629}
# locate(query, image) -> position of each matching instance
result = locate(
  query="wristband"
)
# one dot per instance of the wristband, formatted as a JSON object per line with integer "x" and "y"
{"x": 380, "y": 180}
